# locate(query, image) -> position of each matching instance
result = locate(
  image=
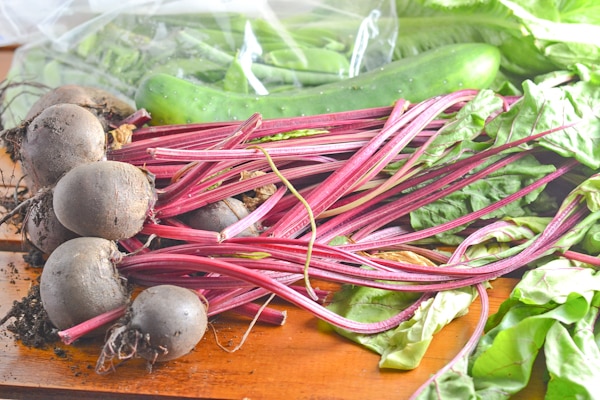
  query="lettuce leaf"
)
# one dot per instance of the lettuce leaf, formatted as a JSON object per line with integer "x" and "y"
{"x": 534, "y": 36}
{"x": 552, "y": 310}
{"x": 404, "y": 346}
{"x": 567, "y": 350}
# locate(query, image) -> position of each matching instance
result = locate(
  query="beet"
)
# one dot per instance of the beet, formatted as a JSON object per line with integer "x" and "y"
{"x": 44, "y": 231}
{"x": 163, "y": 323}
{"x": 59, "y": 138}
{"x": 218, "y": 216}
{"x": 107, "y": 199}
{"x": 173, "y": 318}
{"x": 80, "y": 281}
{"x": 108, "y": 108}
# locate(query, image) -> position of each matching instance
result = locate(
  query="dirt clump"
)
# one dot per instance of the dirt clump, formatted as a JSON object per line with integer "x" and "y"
{"x": 28, "y": 321}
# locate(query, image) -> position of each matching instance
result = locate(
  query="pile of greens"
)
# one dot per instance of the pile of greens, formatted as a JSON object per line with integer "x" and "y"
{"x": 553, "y": 309}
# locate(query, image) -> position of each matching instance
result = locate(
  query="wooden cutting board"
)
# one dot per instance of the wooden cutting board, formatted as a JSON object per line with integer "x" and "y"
{"x": 297, "y": 360}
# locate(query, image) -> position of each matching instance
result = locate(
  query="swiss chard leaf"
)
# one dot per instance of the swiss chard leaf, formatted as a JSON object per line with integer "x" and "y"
{"x": 495, "y": 187}
{"x": 404, "y": 346}
{"x": 542, "y": 109}
{"x": 466, "y": 126}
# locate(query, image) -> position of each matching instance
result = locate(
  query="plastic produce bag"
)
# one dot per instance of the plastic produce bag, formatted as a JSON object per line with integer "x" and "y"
{"x": 256, "y": 47}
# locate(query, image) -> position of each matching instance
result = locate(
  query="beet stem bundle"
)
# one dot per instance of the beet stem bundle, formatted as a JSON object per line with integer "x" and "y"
{"x": 338, "y": 166}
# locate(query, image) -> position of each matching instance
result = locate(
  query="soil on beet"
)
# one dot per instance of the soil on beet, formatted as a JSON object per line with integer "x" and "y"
{"x": 29, "y": 323}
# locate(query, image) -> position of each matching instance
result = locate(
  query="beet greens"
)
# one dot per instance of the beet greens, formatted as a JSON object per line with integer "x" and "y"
{"x": 412, "y": 179}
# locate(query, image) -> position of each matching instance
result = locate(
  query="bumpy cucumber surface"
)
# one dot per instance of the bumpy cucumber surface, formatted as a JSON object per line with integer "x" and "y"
{"x": 172, "y": 100}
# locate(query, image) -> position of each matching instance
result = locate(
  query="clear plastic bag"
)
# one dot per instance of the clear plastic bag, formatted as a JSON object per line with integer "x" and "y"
{"x": 257, "y": 47}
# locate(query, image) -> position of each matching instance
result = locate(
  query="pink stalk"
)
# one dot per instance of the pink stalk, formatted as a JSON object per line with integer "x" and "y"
{"x": 435, "y": 282}
{"x": 542, "y": 246}
{"x": 198, "y": 199}
{"x": 146, "y": 274}
{"x": 363, "y": 162}
{"x": 228, "y": 171}
{"x": 584, "y": 258}
{"x": 427, "y": 195}
{"x": 560, "y": 224}
{"x": 414, "y": 236}
{"x": 366, "y": 223}
{"x": 271, "y": 126}
{"x": 338, "y": 183}
{"x": 181, "y": 187}
{"x": 478, "y": 236}
{"x": 289, "y": 153}
{"x": 68, "y": 336}
{"x": 468, "y": 347}
{"x": 138, "y": 118}
{"x": 160, "y": 131}
{"x": 188, "y": 278}
{"x": 401, "y": 174}
{"x": 241, "y": 303}
{"x": 222, "y": 300}
{"x": 283, "y": 260}
{"x": 348, "y": 218}
{"x": 162, "y": 171}
{"x": 203, "y": 140}
{"x": 267, "y": 315}
{"x": 253, "y": 217}
{"x": 273, "y": 244}
{"x": 180, "y": 233}
{"x": 207, "y": 135}
{"x": 137, "y": 150}
{"x": 382, "y": 233}
{"x": 284, "y": 291}
{"x": 328, "y": 119}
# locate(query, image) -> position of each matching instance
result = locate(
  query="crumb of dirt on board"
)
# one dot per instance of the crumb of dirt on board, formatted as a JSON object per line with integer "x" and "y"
{"x": 28, "y": 321}
{"x": 12, "y": 272}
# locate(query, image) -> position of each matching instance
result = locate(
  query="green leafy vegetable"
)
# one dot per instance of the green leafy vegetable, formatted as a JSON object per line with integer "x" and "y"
{"x": 535, "y": 37}
{"x": 557, "y": 296}
{"x": 542, "y": 109}
{"x": 457, "y": 137}
{"x": 405, "y": 346}
{"x": 482, "y": 193}
{"x": 551, "y": 310}
{"x": 567, "y": 350}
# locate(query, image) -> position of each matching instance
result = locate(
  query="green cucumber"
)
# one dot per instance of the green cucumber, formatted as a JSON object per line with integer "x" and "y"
{"x": 171, "y": 100}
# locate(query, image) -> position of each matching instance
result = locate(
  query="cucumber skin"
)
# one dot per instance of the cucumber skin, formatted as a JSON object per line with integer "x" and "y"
{"x": 171, "y": 100}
